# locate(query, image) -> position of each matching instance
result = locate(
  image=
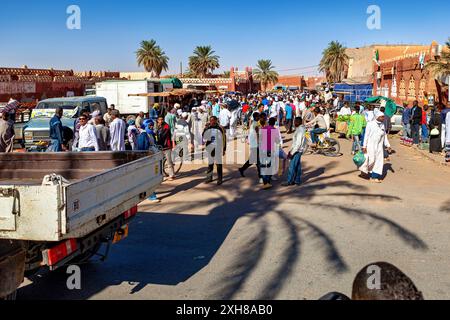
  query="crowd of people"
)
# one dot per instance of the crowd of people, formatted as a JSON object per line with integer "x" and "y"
{"x": 206, "y": 125}
{"x": 428, "y": 124}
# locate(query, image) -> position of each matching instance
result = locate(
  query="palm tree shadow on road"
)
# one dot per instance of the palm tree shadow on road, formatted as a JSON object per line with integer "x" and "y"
{"x": 170, "y": 248}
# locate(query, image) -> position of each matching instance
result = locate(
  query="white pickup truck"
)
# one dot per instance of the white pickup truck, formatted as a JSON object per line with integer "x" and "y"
{"x": 58, "y": 208}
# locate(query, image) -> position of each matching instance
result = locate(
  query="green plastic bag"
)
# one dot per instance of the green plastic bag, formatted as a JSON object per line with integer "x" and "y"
{"x": 359, "y": 159}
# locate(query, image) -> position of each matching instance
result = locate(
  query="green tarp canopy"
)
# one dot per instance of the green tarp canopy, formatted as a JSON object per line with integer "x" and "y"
{"x": 177, "y": 84}
{"x": 391, "y": 107}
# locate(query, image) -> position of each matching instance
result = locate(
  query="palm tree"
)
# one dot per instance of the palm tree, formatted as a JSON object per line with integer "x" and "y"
{"x": 441, "y": 67}
{"x": 264, "y": 72}
{"x": 334, "y": 60}
{"x": 152, "y": 57}
{"x": 188, "y": 73}
{"x": 226, "y": 74}
{"x": 203, "y": 62}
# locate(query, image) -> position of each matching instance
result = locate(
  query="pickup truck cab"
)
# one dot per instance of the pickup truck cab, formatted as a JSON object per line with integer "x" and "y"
{"x": 37, "y": 129}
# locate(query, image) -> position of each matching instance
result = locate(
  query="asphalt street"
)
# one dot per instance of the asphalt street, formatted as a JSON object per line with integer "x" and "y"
{"x": 239, "y": 242}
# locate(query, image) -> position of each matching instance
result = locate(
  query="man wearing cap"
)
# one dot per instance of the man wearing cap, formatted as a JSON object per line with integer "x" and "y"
{"x": 182, "y": 132}
{"x": 171, "y": 119}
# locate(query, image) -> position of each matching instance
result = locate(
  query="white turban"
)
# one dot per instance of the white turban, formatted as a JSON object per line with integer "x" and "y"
{"x": 184, "y": 115}
{"x": 179, "y": 112}
{"x": 378, "y": 113}
{"x": 177, "y": 105}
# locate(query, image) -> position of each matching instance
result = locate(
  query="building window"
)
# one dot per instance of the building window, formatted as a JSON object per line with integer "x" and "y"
{"x": 385, "y": 91}
{"x": 422, "y": 85}
{"x": 378, "y": 90}
{"x": 402, "y": 91}
{"x": 412, "y": 89}
{"x": 394, "y": 88}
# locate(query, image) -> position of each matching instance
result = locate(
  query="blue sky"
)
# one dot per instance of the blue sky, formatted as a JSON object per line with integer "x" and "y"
{"x": 292, "y": 33}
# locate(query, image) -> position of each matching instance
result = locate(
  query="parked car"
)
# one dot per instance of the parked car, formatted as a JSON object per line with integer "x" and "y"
{"x": 37, "y": 129}
{"x": 396, "y": 120}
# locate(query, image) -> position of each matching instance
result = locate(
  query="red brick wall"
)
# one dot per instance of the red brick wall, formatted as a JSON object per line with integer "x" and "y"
{"x": 47, "y": 90}
{"x": 405, "y": 69}
{"x": 287, "y": 81}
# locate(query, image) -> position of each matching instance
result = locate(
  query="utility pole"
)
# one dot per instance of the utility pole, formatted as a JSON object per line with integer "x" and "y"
{"x": 181, "y": 69}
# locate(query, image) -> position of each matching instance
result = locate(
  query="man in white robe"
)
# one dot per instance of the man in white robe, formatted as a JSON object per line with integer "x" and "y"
{"x": 117, "y": 130}
{"x": 375, "y": 140}
{"x": 234, "y": 122}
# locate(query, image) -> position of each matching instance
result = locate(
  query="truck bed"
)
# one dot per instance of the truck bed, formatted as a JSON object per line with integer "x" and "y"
{"x": 102, "y": 185}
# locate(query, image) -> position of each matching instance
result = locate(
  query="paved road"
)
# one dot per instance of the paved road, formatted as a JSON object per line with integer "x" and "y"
{"x": 237, "y": 242}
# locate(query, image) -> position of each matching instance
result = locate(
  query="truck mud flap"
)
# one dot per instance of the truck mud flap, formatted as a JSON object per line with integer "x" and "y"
{"x": 12, "y": 267}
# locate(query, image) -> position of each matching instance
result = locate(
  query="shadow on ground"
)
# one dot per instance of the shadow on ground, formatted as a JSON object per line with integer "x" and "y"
{"x": 170, "y": 248}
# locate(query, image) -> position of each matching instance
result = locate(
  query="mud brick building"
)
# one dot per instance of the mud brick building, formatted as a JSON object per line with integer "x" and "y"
{"x": 403, "y": 78}
{"x": 30, "y": 85}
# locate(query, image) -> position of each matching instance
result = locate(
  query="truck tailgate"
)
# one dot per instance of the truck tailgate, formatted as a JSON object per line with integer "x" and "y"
{"x": 31, "y": 211}
{"x": 97, "y": 200}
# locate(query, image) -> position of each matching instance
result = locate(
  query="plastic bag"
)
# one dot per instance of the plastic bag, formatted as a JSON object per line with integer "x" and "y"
{"x": 359, "y": 159}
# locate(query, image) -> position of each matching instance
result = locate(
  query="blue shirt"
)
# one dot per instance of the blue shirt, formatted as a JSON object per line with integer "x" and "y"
{"x": 288, "y": 110}
{"x": 406, "y": 116}
{"x": 444, "y": 114}
{"x": 216, "y": 110}
{"x": 56, "y": 129}
{"x": 153, "y": 114}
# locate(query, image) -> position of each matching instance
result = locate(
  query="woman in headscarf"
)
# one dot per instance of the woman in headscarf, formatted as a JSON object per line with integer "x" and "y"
{"x": 435, "y": 131}
{"x": 132, "y": 133}
{"x": 375, "y": 140}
